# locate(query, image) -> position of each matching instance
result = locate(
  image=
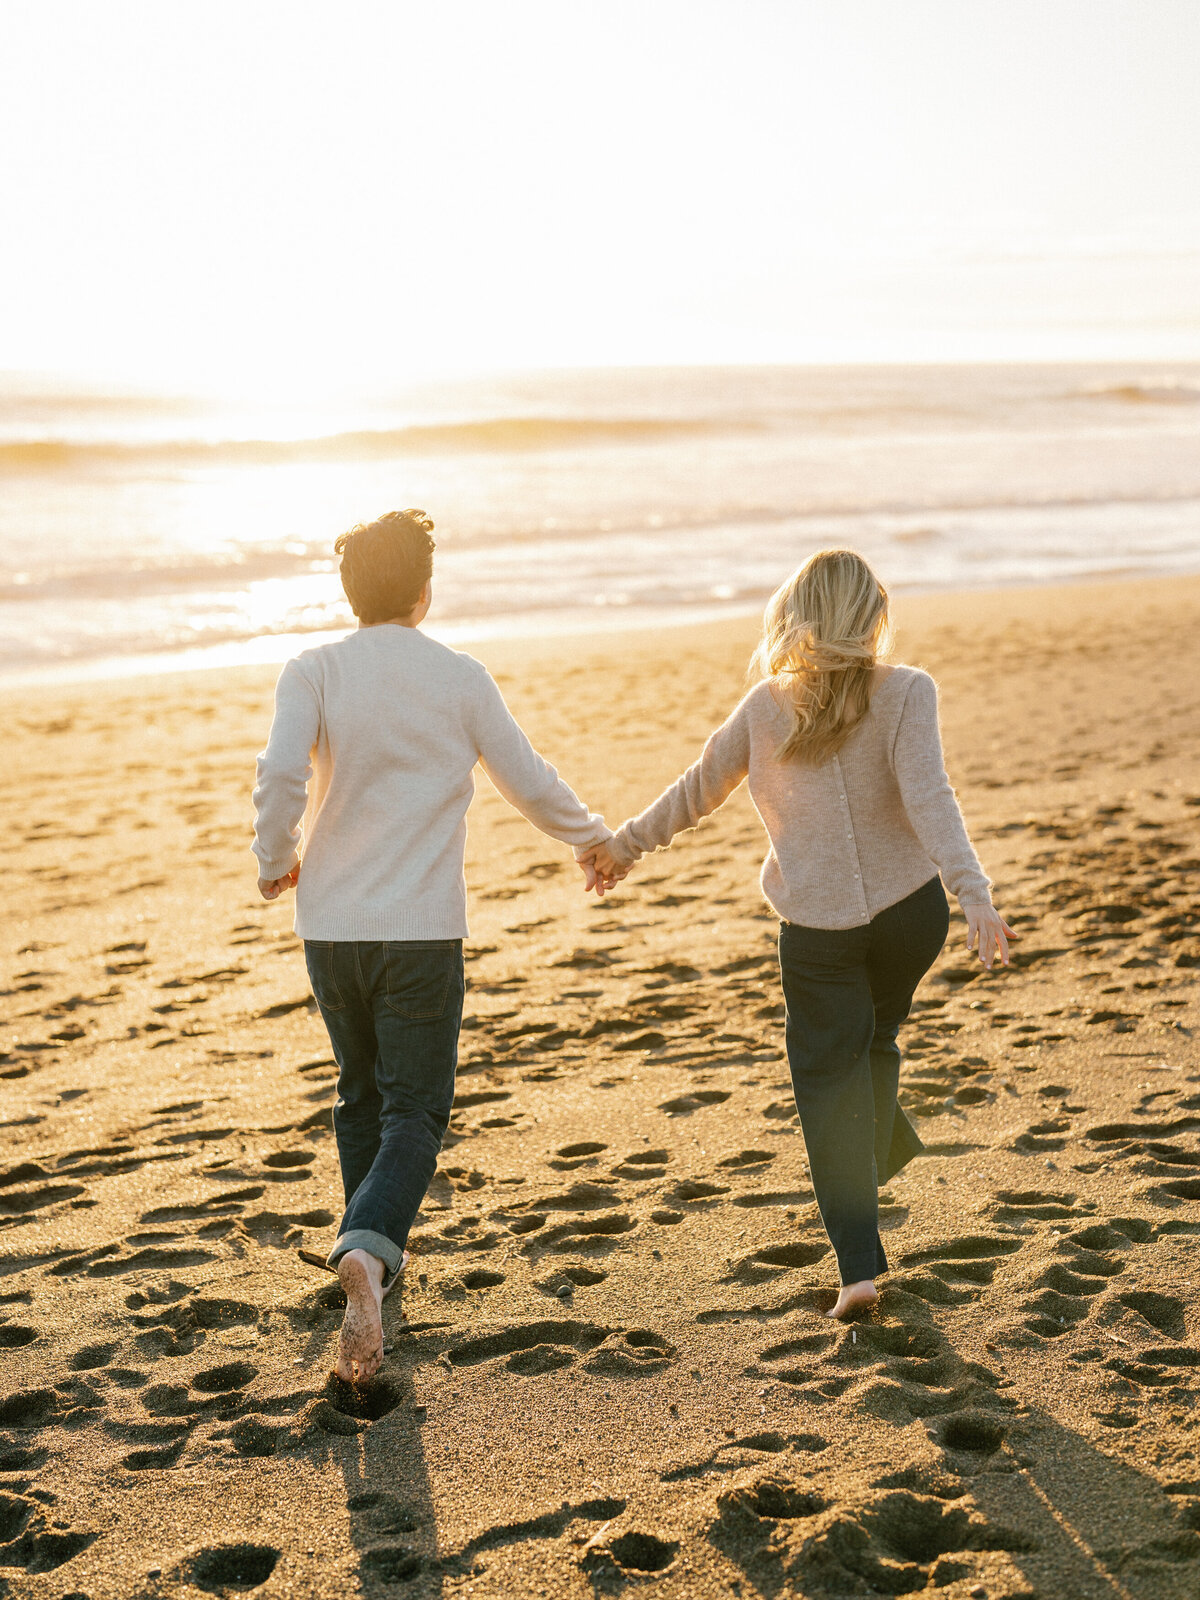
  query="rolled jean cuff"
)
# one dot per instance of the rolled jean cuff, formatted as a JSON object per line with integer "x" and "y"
{"x": 376, "y": 1244}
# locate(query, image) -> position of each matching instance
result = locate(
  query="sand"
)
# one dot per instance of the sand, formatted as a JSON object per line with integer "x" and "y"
{"x": 608, "y": 1368}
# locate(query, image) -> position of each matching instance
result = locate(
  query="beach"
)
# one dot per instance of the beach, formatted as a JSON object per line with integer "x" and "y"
{"x": 608, "y": 1367}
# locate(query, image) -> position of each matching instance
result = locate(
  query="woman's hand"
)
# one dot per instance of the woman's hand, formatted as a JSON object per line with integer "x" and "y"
{"x": 988, "y": 933}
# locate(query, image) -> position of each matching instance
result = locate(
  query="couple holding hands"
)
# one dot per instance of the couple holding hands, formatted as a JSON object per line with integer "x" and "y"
{"x": 368, "y": 771}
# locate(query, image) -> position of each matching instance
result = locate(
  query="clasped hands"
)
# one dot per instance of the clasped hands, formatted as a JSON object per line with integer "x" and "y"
{"x": 600, "y": 869}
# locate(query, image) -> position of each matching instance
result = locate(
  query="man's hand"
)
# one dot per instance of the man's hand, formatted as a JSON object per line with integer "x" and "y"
{"x": 988, "y": 933}
{"x": 272, "y": 888}
{"x": 600, "y": 870}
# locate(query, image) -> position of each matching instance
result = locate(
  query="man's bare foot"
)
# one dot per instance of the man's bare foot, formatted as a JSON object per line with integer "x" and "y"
{"x": 854, "y": 1297}
{"x": 360, "y": 1344}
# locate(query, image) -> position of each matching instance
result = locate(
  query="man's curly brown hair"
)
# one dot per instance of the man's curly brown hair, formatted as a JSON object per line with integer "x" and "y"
{"x": 386, "y": 564}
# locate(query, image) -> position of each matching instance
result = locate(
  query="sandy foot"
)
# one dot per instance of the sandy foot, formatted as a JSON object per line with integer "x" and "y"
{"x": 360, "y": 1344}
{"x": 854, "y": 1298}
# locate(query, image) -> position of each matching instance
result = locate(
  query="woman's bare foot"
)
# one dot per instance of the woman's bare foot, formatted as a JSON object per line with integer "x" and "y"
{"x": 360, "y": 1344}
{"x": 854, "y": 1297}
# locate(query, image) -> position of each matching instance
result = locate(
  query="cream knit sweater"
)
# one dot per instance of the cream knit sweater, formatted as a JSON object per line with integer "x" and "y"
{"x": 367, "y": 776}
{"x": 848, "y": 838}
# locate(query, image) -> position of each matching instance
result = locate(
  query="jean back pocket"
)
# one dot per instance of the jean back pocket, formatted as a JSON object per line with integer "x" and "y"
{"x": 420, "y": 978}
{"x": 318, "y": 958}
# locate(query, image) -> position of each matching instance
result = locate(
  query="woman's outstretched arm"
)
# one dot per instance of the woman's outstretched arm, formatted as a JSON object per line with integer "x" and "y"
{"x": 707, "y": 784}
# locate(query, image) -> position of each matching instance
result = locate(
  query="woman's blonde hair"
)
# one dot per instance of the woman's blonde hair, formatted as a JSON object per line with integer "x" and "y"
{"x": 823, "y": 631}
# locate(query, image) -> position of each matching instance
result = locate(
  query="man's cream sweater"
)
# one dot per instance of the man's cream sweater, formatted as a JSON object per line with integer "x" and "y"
{"x": 849, "y": 837}
{"x": 367, "y": 776}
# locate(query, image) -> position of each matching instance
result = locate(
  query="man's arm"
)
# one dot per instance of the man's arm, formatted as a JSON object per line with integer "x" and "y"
{"x": 525, "y": 779}
{"x": 281, "y": 793}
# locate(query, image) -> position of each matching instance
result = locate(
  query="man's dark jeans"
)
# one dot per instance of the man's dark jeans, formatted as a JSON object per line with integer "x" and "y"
{"x": 847, "y": 991}
{"x": 393, "y": 1012}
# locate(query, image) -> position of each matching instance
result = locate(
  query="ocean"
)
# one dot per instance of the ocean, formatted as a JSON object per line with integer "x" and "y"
{"x": 141, "y": 532}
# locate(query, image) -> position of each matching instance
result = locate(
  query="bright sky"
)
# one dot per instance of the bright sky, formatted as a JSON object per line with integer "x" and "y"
{"x": 323, "y": 195}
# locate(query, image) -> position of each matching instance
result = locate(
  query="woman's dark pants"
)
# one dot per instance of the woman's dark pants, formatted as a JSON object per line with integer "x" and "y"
{"x": 847, "y": 990}
{"x": 393, "y": 1012}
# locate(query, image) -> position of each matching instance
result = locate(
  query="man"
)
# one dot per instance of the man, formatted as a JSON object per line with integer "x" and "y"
{"x": 367, "y": 776}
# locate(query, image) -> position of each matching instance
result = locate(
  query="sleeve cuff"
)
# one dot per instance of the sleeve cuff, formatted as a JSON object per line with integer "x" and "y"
{"x": 603, "y": 837}
{"x": 272, "y": 870}
{"x": 623, "y": 851}
{"x": 974, "y": 897}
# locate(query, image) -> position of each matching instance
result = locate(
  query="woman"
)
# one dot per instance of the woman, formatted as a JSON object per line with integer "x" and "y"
{"x": 845, "y": 765}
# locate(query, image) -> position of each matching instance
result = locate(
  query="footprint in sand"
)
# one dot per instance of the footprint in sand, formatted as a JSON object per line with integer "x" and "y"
{"x": 1068, "y": 1290}
{"x": 288, "y": 1166}
{"x": 736, "y": 1454}
{"x": 378, "y": 1513}
{"x": 106, "y": 1264}
{"x": 794, "y": 1361}
{"x": 223, "y": 1379}
{"x": 92, "y": 1356}
{"x": 972, "y": 1094}
{"x": 774, "y": 1261}
{"x": 1042, "y": 1138}
{"x": 1036, "y": 1205}
{"x": 179, "y": 1328}
{"x": 325, "y": 1068}
{"x": 643, "y": 1164}
{"x": 747, "y": 1158}
{"x": 32, "y": 1541}
{"x": 562, "y": 1284}
{"x": 689, "y": 1191}
{"x": 780, "y": 1110}
{"x": 752, "y": 1512}
{"x": 538, "y": 1347}
{"x": 230, "y": 1203}
{"x": 873, "y": 1538}
{"x": 154, "y": 1457}
{"x": 481, "y": 1278}
{"x": 233, "y": 1566}
{"x": 1163, "y": 1312}
{"x": 685, "y": 1104}
{"x": 594, "y": 1235}
{"x": 465, "y": 1100}
{"x": 26, "y": 1202}
{"x": 971, "y": 1258}
{"x": 756, "y": 1200}
{"x": 577, "y": 1155}
{"x": 902, "y": 1370}
{"x": 284, "y": 1229}
{"x": 30, "y": 1408}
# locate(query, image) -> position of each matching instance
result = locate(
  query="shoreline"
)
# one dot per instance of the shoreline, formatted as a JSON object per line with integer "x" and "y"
{"x": 271, "y": 651}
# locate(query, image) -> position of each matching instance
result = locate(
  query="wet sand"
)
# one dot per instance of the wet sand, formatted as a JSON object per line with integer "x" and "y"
{"x": 607, "y": 1368}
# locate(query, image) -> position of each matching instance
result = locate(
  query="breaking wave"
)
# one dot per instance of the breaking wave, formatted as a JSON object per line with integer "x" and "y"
{"x": 488, "y": 435}
{"x": 1172, "y": 392}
